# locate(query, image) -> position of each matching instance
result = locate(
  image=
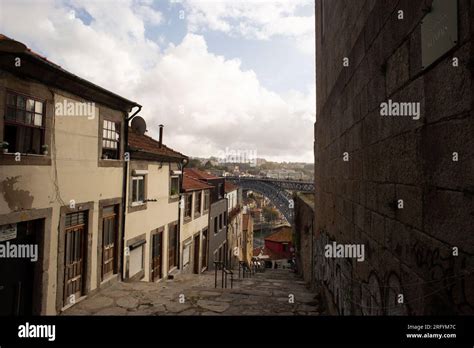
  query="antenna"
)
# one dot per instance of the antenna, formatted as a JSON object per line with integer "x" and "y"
{"x": 139, "y": 125}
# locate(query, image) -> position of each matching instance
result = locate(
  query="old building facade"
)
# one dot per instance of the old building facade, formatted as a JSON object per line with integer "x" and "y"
{"x": 56, "y": 130}
{"x": 234, "y": 226}
{"x": 194, "y": 219}
{"x": 217, "y": 215}
{"x": 400, "y": 186}
{"x": 247, "y": 232}
{"x": 152, "y": 229}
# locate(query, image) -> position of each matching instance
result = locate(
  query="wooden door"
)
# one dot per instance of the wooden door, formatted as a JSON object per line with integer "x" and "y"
{"x": 204, "y": 249}
{"x": 76, "y": 233}
{"x": 196, "y": 254}
{"x": 157, "y": 259}
{"x": 109, "y": 242}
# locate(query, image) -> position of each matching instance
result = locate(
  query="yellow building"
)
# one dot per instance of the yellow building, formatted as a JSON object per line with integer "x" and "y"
{"x": 61, "y": 183}
{"x": 152, "y": 216}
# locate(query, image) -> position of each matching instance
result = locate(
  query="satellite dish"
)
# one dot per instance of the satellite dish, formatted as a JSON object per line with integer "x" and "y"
{"x": 9, "y": 45}
{"x": 139, "y": 125}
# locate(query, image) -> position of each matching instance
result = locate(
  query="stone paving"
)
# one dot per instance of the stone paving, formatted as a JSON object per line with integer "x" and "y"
{"x": 274, "y": 292}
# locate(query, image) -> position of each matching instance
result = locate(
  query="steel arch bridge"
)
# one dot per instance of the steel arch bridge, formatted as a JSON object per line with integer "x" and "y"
{"x": 280, "y": 192}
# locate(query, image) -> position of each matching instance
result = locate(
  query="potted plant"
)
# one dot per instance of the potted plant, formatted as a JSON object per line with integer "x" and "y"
{"x": 174, "y": 192}
{"x": 45, "y": 149}
{"x": 5, "y": 146}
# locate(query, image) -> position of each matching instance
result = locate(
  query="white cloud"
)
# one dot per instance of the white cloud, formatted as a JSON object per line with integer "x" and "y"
{"x": 257, "y": 19}
{"x": 206, "y": 102}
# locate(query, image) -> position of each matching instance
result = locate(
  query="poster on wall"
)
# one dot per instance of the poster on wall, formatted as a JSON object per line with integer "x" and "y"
{"x": 8, "y": 232}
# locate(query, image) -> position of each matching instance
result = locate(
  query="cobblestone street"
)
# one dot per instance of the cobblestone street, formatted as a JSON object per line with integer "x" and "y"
{"x": 267, "y": 293}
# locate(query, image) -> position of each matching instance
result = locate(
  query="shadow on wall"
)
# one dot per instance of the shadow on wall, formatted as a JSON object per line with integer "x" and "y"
{"x": 16, "y": 199}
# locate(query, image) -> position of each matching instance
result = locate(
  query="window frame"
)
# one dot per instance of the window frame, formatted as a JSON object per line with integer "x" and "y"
{"x": 198, "y": 204}
{"x": 177, "y": 178}
{"x": 138, "y": 202}
{"x": 207, "y": 200}
{"x": 31, "y": 126}
{"x": 118, "y": 126}
{"x": 188, "y": 199}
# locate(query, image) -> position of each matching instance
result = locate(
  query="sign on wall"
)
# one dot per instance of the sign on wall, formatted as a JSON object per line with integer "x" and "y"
{"x": 439, "y": 31}
{"x": 8, "y": 232}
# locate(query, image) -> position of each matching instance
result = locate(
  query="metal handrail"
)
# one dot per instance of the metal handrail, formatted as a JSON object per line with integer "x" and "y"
{"x": 217, "y": 265}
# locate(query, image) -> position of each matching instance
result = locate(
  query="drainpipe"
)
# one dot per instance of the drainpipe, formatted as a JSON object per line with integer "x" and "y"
{"x": 184, "y": 162}
{"x": 124, "y": 190}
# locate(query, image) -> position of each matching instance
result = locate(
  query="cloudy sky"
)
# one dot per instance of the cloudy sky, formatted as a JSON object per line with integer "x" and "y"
{"x": 220, "y": 74}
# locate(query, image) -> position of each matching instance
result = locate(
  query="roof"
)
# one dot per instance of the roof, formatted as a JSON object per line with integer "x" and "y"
{"x": 68, "y": 81}
{"x": 229, "y": 187}
{"x": 199, "y": 174}
{"x": 192, "y": 184}
{"x": 145, "y": 143}
{"x": 283, "y": 235}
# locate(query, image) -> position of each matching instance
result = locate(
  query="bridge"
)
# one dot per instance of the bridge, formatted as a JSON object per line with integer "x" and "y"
{"x": 280, "y": 192}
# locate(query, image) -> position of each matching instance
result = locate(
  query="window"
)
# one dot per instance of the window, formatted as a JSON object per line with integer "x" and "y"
{"x": 219, "y": 190}
{"x": 187, "y": 254}
{"x": 206, "y": 200}
{"x": 188, "y": 205}
{"x": 215, "y": 225}
{"x": 225, "y": 218}
{"x": 138, "y": 190}
{"x": 110, "y": 140}
{"x": 197, "y": 205}
{"x": 285, "y": 247}
{"x": 173, "y": 246}
{"x": 174, "y": 186}
{"x": 220, "y": 221}
{"x": 24, "y": 124}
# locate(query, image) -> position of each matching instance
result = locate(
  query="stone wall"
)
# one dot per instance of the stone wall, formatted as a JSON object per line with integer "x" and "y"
{"x": 366, "y": 163}
{"x": 303, "y": 232}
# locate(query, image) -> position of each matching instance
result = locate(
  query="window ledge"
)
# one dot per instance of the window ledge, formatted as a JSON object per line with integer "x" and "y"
{"x": 136, "y": 207}
{"x": 9, "y": 158}
{"x": 110, "y": 162}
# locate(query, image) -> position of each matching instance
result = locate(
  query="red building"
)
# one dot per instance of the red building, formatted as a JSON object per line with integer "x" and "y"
{"x": 280, "y": 243}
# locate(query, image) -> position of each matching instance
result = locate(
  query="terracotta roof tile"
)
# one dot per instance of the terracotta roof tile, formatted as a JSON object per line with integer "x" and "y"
{"x": 192, "y": 184}
{"x": 284, "y": 234}
{"x": 199, "y": 174}
{"x": 145, "y": 143}
{"x": 229, "y": 187}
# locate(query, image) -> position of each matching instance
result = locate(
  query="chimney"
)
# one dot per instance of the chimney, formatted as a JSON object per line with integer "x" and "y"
{"x": 161, "y": 134}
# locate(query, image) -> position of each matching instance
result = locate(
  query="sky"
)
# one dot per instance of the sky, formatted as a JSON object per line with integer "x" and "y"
{"x": 220, "y": 75}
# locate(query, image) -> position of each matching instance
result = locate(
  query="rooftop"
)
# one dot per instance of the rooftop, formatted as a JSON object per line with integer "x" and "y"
{"x": 192, "y": 184}
{"x": 146, "y": 144}
{"x": 199, "y": 174}
{"x": 229, "y": 187}
{"x": 283, "y": 234}
{"x": 47, "y": 72}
